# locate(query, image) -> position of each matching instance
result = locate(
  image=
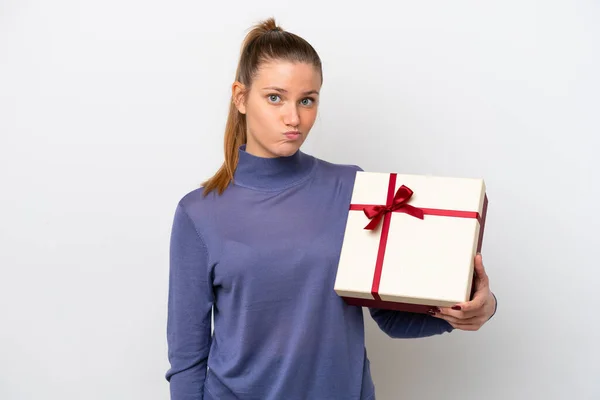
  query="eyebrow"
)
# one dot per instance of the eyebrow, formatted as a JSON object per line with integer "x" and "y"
{"x": 277, "y": 89}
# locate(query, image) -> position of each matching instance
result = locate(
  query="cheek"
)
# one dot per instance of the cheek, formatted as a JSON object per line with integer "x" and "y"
{"x": 258, "y": 115}
{"x": 309, "y": 116}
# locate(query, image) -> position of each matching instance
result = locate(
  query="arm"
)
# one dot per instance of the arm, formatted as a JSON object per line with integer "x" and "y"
{"x": 401, "y": 324}
{"x": 190, "y": 303}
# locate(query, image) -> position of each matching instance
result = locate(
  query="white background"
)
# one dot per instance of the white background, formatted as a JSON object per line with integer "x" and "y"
{"x": 111, "y": 110}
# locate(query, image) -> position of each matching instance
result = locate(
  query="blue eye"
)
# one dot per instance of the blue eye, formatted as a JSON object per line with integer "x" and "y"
{"x": 307, "y": 102}
{"x": 273, "y": 98}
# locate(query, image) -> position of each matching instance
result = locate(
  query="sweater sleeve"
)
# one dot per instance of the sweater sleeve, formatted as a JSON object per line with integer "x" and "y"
{"x": 190, "y": 301}
{"x": 402, "y": 324}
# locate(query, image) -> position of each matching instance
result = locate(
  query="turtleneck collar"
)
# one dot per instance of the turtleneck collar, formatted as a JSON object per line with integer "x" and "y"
{"x": 268, "y": 174}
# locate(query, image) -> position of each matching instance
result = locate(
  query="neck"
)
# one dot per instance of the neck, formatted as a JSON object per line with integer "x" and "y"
{"x": 272, "y": 173}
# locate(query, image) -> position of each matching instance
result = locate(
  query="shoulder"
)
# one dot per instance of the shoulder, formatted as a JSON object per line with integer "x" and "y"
{"x": 196, "y": 205}
{"x": 192, "y": 198}
{"x": 338, "y": 167}
{"x": 337, "y": 170}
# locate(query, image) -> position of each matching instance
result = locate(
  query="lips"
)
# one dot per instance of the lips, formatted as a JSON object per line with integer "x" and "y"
{"x": 293, "y": 135}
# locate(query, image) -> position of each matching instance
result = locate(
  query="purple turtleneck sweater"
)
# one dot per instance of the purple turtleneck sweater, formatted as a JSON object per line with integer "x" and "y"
{"x": 262, "y": 257}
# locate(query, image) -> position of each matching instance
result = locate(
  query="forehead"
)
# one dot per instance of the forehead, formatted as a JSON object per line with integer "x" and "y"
{"x": 288, "y": 75}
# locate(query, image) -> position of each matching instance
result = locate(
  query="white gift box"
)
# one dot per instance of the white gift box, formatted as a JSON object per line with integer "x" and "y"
{"x": 410, "y": 241}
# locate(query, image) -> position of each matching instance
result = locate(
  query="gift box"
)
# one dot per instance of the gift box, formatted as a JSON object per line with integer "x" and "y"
{"x": 410, "y": 241}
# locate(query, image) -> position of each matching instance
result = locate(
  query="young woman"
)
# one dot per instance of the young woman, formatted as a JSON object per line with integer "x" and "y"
{"x": 258, "y": 245}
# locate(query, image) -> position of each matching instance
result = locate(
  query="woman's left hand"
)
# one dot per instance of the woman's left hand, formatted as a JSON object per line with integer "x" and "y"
{"x": 471, "y": 315}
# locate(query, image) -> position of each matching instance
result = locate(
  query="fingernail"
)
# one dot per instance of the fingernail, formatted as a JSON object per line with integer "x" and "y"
{"x": 457, "y": 308}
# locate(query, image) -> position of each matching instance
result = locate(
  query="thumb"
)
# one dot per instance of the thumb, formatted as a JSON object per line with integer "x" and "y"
{"x": 480, "y": 270}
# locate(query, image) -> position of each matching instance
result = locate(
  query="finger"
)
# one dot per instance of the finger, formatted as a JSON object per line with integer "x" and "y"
{"x": 474, "y": 305}
{"x": 461, "y": 315}
{"x": 472, "y": 323}
{"x": 462, "y": 320}
{"x": 480, "y": 269}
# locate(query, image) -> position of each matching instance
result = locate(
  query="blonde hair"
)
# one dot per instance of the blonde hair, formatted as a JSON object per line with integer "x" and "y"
{"x": 266, "y": 41}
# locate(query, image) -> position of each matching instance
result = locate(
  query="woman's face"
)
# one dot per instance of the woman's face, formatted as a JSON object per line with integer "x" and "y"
{"x": 280, "y": 107}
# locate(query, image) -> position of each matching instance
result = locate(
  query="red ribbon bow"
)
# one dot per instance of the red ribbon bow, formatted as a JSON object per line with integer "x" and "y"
{"x": 399, "y": 203}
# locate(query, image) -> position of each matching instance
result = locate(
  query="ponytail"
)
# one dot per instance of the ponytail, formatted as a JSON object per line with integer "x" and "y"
{"x": 265, "y": 42}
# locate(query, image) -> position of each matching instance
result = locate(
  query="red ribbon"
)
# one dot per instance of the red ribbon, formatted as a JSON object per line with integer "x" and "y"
{"x": 398, "y": 203}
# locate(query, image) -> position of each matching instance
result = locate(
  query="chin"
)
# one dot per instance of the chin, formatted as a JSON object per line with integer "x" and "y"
{"x": 287, "y": 149}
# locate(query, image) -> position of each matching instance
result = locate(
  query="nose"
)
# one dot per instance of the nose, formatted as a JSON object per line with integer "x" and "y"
{"x": 291, "y": 116}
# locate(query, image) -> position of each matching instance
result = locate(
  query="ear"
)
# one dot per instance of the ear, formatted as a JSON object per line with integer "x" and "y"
{"x": 238, "y": 92}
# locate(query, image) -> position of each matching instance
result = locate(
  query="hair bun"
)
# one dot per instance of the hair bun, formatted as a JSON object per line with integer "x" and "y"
{"x": 268, "y": 25}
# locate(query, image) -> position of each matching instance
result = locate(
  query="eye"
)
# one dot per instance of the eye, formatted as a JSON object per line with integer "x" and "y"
{"x": 307, "y": 102}
{"x": 273, "y": 98}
